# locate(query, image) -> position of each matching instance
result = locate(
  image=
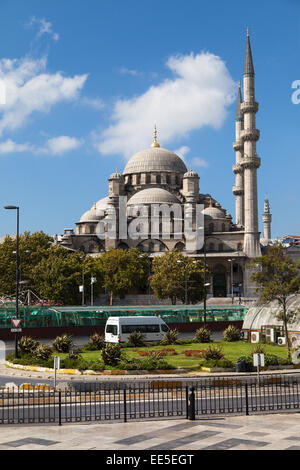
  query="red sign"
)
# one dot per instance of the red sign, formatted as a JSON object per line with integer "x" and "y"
{"x": 16, "y": 322}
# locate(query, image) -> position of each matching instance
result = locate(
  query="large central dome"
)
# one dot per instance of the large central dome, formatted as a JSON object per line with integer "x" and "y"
{"x": 155, "y": 159}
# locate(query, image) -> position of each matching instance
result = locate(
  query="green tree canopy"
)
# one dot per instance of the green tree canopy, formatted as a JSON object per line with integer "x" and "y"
{"x": 176, "y": 276}
{"x": 123, "y": 271}
{"x": 277, "y": 279}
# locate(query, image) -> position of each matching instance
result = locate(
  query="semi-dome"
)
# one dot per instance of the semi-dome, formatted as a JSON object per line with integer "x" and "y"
{"x": 214, "y": 213}
{"x": 153, "y": 196}
{"x": 94, "y": 214}
{"x": 155, "y": 159}
{"x": 90, "y": 216}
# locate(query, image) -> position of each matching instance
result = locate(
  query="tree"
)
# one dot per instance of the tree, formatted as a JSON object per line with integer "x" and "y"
{"x": 277, "y": 280}
{"x": 176, "y": 276}
{"x": 32, "y": 249}
{"x": 123, "y": 271}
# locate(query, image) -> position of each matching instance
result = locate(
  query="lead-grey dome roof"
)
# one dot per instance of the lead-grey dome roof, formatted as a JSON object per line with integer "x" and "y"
{"x": 155, "y": 159}
{"x": 153, "y": 196}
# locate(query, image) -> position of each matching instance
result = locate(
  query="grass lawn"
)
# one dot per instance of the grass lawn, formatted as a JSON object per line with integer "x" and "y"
{"x": 232, "y": 351}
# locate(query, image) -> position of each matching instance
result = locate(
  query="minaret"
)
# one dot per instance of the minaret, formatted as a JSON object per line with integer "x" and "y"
{"x": 238, "y": 145}
{"x": 251, "y": 162}
{"x": 267, "y": 219}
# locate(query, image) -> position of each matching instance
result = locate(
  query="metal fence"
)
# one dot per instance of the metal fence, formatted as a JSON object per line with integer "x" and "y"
{"x": 156, "y": 399}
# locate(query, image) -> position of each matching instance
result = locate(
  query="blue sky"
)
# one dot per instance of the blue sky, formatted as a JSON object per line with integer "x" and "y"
{"x": 92, "y": 78}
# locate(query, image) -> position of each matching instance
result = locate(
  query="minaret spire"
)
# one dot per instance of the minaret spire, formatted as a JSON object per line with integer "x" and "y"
{"x": 248, "y": 67}
{"x": 250, "y": 162}
{"x": 238, "y": 189}
{"x": 267, "y": 219}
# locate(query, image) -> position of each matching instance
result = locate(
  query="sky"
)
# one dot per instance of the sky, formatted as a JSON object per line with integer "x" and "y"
{"x": 82, "y": 85}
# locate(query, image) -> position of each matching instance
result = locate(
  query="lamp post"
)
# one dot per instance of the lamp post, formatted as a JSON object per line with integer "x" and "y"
{"x": 185, "y": 283}
{"x": 17, "y": 271}
{"x": 231, "y": 278}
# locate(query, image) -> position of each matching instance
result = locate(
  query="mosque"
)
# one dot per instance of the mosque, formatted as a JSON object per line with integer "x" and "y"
{"x": 159, "y": 176}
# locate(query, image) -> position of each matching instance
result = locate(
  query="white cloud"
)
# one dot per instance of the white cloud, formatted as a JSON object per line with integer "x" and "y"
{"x": 44, "y": 27}
{"x": 60, "y": 145}
{"x": 30, "y": 89}
{"x": 55, "y": 146}
{"x": 9, "y": 146}
{"x": 198, "y": 95}
{"x": 96, "y": 103}
{"x": 132, "y": 72}
{"x": 198, "y": 162}
{"x": 182, "y": 151}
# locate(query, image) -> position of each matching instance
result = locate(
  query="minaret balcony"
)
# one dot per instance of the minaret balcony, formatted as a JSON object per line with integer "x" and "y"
{"x": 237, "y": 169}
{"x": 251, "y": 162}
{"x": 238, "y": 190}
{"x": 238, "y": 145}
{"x": 251, "y": 135}
{"x": 249, "y": 107}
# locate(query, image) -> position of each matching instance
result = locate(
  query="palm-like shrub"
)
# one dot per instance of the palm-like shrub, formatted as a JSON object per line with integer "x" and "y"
{"x": 213, "y": 353}
{"x": 63, "y": 343}
{"x": 43, "y": 352}
{"x": 97, "y": 341}
{"x": 111, "y": 354}
{"x": 202, "y": 335}
{"x": 232, "y": 334}
{"x": 27, "y": 345}
{"x": 73, "y": 354}
{"x": 136, "y": 338}
{"x": 170, "y": 337}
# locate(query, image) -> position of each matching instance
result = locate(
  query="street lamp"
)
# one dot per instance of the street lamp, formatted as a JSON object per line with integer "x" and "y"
{"x": 16, "y": 208}
{"x": 185, "y": 281}
{"x": 205, "y": 284}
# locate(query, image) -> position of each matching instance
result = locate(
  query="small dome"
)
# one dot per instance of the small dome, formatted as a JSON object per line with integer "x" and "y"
{"x": 155, "y": 159}
{"x": 191, "y": 174}
{"x": 90, "y": 216}
{"x": 214, "y": 213}
{"x": 115, "y": 176}
{"x": 153, "y": 196}
{"x": 93, "y": 215}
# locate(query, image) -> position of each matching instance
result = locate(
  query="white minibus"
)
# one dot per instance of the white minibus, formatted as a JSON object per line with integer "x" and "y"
{"x": 118, "y": 329}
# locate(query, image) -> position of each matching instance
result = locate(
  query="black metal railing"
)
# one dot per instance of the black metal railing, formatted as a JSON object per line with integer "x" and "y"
{"x": 155, "y": 399}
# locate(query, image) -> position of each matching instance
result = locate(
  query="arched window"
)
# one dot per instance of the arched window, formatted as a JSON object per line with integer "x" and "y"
{"x": 138, "y": 178}
{"x": 168, "y": 179}
{"x": 211, "y": 228}
{"x": 211, "y": 247}
{"x": 158, "y": 179}
{"x": 92, "y": 229}
{"x": 148, "y": 179}
{"x": 223, "y": 228}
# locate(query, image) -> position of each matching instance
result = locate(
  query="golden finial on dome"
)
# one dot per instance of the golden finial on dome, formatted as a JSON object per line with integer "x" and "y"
{"x": 95, "y": 205}
{"x": 210, "y": 202}
{"x": 155, "y": 143}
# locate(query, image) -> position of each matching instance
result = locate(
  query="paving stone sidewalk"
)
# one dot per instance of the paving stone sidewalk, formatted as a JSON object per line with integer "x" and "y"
{"x": 257, "y": 432}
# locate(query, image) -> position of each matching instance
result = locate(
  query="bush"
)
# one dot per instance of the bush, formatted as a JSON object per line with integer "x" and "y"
{"x": 111, "y": 354}
{"x": 27, "y": 345}
{"x": 63, "y": 343}
{"x": 42, "y": 352}
{"x": 202, "y": 335}
{"x": 232, "y": 334}
{"x": 170, "y": 337}
{"x": 96, "y": 342}
{"x": 259, "y": 349}
{"x": 271, "y": 360}
{"x": 213, "y": 353}
{"x": 74, "y": 355}
{"x": 137, "y": 339}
